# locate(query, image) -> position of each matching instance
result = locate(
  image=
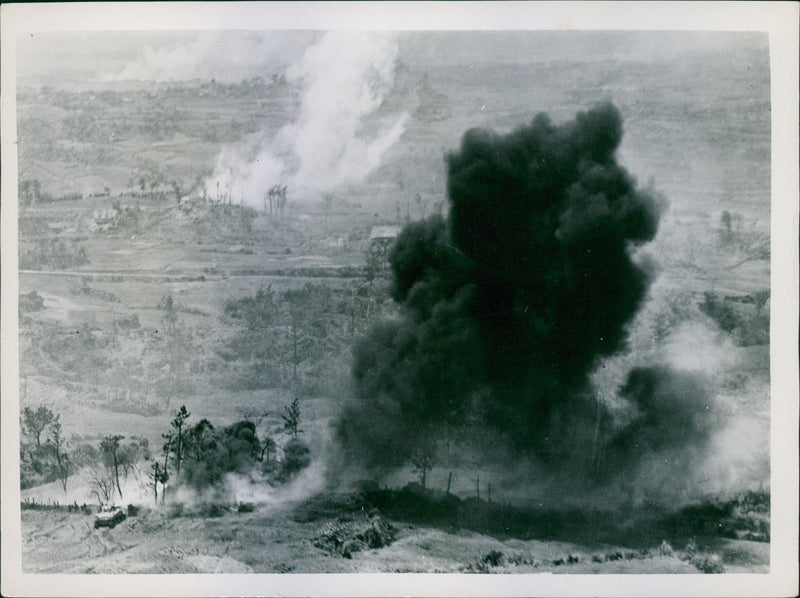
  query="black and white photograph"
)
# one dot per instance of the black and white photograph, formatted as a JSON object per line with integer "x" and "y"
{"x": 291, "y": 296}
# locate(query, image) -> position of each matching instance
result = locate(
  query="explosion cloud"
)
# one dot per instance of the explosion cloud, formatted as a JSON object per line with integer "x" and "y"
{"x": 508, "y": 305}
{"x": 674, "y": 413}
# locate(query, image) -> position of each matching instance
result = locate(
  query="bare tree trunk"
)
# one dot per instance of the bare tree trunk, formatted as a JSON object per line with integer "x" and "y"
{"x": 63, "y": 472}
{"x": 294, "y": 350}
{"x": 116, "y": 474}
{"x": 178, "y": 456}
{"x": 164, "y": 482}
{"x": 449, "y": 479}
{"x": 155, "y": 485}
{"x": 596, "y": 439}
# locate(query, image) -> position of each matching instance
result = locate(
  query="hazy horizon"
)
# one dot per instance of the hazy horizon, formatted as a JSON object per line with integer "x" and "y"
{"x": 83, "y": 59}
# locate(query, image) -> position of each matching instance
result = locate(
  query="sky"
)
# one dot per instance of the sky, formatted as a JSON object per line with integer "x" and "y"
{"x": 80, "y": 58}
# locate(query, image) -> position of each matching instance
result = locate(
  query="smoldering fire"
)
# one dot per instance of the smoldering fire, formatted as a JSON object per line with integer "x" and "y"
{"x": 508, "y": 304}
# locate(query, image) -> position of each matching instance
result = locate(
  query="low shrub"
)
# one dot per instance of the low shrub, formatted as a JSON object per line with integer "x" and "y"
{"x": 33, "y": 301}
{"x": 296, "y": 457}
{"x": 742, "y": 319}
{"x": 346, "y": 537}
{"x": 494, "y": 559}
{"x": 214, "y": 510}
{"x": 707, "y": 563}
{"x": 486, "y": 563}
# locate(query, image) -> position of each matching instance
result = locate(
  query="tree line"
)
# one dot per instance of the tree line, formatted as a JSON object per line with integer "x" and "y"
{"x": 298, "y": 337}
{"x": 198, "y": 455}
{"x": 46, "y": 455}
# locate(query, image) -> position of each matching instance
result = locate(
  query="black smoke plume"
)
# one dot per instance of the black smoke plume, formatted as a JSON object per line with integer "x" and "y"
{"x": 508, "y": 304}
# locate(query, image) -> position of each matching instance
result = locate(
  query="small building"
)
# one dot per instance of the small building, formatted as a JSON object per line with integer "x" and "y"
{"x": 381, "y": 240}
{"x": 384, "y": 235}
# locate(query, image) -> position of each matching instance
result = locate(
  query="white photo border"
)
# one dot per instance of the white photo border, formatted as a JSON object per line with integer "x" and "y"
{"x": 778, "y": 19}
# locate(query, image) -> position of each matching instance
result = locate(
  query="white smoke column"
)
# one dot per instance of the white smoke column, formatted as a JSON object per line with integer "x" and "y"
{"x": 244, "y": 172}
{"x": 345, "y": 78}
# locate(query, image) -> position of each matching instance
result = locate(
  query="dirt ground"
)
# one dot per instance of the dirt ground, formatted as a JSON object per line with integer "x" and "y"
{"x": 285, "y": 538}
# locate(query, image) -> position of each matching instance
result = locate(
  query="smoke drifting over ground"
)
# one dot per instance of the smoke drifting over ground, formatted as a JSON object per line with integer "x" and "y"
{"x": 198, "y": 55}
{"x": 345, "y": 77}
{"x": 509, "y": 305}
